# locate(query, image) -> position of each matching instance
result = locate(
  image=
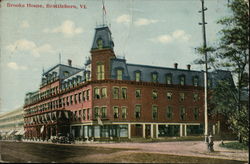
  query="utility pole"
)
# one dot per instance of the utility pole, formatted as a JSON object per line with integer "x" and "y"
{"x": 203, "y": 9}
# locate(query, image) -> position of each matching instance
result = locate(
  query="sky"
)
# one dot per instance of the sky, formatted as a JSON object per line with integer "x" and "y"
{"x": 150, "y": 32}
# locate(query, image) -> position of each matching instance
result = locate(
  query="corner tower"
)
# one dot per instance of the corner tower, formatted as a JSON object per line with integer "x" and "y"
{"x": 101, "y": 53}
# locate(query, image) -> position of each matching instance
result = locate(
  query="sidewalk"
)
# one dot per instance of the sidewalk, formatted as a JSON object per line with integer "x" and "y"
{"x": 186, "y": 148}
{"x": 182, "y": 148}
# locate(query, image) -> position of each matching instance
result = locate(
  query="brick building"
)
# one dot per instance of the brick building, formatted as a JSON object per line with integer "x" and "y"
{"x": 109, "y": 97}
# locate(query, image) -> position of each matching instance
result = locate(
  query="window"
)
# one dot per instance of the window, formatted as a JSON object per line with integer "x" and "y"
{"x": 63, "y": 102}
{"x": 84, "y": 114}
{"x": 182, "y": 113}
{"x": 124, "y": 93}
{"x": 83, "y": 95}
{"x": 182, "y": 96}
{"x": 169, "y": 78}
{"x": 75, "y": 99}
{"x": 96, "y": 93}
{"x": 154, "y": 94}
{"x": 138, "y": 111}
{"x": 169, "y": 112}
{"x": 67, "y": 101}
{"x": 195, "y": 81}
{"x": 79, "y": 96}
{"x": 115, "y": 92}
{"x": 154, "y": 112}
{"x": 196, "y": 113}
{"x": 80, "y": 114}
{"x": 66, "y": 73}
{"x": 87, "y": 76}
{"x": 119, "y": 74}
{"x": 100, "y": 72}
{"x": 71, "y": 101}
{"x": 116, "y": 114}
{"x": 124, "y": 112}
{"x": 196, "y": 97}
{"x": 100, "y": 43}
{"x": 104, "y": 112}
{"x": 96, "y": 112}
{"x": 75, "y": 115}
{"x": 154, "y": 77}
{"x": 138, "y": 93}
{"x": 104, "y": 92}
{"x": 182, "y": 80}
{"x": 137, "y": 76}
{"x": 88, "y": 113}
{"x": 87, "y": 96}
{"x": 169, "y": 95}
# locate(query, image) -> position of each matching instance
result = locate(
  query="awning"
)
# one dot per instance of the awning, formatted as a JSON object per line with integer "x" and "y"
{"x": 20, "y": 132}
{"x": 10, "y": 132}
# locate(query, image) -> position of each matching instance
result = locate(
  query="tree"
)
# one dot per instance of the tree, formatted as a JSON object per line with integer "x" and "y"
{"x": 232, "y": 53}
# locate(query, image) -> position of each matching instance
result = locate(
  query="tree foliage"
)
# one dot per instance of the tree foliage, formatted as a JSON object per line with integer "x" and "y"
{"x": 233, "y": 54}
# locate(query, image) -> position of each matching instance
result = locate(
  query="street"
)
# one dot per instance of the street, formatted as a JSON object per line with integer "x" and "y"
{"x": 112, "y": 152}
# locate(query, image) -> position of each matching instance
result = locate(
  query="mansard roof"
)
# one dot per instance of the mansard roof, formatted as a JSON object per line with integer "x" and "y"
{"x": 60, "y": 68}
{"x": 147, "y": 71}
{"x": 102, "y": 33}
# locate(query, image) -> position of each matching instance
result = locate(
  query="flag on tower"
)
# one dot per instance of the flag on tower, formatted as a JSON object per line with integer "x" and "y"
{"x": 103, "y": 7}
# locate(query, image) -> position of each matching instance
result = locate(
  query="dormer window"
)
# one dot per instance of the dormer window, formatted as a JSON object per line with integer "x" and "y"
{"x": 195, "y": 81}
{"x": 87, "y": 76}
{"x": 182, "y": 80}
{"x": 66, "y": 73}
{"x": 54, "y": 74}
{"x": 137, "y": 76}
{"x": 169, "y": 78}
{"x": 119, "y": 74}
{"x": 79, "y": 78}
{"x": 100, "y": 43}
{"x": 154, "y": 77}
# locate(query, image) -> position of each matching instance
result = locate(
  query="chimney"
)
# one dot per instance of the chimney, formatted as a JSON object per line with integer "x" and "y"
{"x": 69, "y": 62}
{"x": 189, "y": 67}
{"x": 175, "y": 65}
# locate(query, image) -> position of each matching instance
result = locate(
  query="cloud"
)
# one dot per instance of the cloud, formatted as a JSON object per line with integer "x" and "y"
{"x": 144, "y": 21}
{"x": 124, "y": 19}
{"x": 67, "y": 28}
{"x": 177, "y": 35}
{"x": 14, "y": 66}
{"x": 26, "y": 45}
{"x": 24, "y": 24}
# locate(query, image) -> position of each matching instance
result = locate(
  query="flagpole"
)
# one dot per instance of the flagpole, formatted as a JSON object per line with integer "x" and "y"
{"x": 102, "y": 12}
